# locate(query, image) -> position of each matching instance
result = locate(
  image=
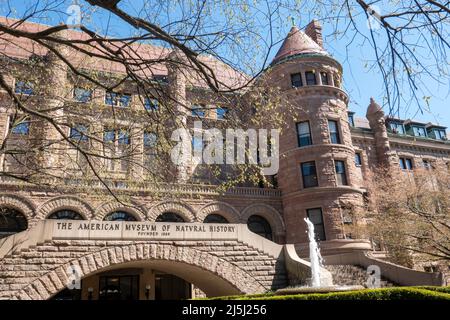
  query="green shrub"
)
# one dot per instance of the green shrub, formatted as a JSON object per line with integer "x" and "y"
{"x": 397, "y": 293}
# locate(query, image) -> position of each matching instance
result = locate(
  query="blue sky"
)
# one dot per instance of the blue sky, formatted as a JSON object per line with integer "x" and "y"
{"x": 360, "y": 81}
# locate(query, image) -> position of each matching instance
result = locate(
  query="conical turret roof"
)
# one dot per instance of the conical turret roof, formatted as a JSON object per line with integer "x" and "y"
{"x": 297, "y": 42}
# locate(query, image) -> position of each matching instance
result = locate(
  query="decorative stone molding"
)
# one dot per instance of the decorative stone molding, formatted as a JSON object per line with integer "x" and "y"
{"x": 22, "y": 204}
{"x": 65, "y": 203}
{"x": 47, "y": 285}
{"x": 267, "y": 212}
{"x": 222, "y": 208}
{"x": 137, "y": 210}
{"x": 178, "y": 207}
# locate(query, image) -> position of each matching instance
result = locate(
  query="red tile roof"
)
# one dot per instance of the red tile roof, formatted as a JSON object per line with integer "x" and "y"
{"x": 152, "y": 57}
{"x": 297, "y": 42}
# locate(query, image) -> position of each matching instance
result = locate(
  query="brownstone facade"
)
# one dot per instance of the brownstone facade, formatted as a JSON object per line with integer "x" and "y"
{"x": 310, "y": 82}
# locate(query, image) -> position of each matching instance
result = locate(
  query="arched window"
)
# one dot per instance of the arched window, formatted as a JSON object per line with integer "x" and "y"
{"x": 169, "y": 217}
{"x": 215, "y": 218}
{"x": 11, "y": 221}
{"x": 119, "y": 216}
{"x": 260, "y": 226}
{"x": 66, "y": 215}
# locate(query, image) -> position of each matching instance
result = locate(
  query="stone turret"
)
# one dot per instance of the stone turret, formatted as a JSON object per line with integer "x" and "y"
{"x": 310, "y": 174}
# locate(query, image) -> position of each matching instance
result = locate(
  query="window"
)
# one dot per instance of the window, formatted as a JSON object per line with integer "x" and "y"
{"x": 324, "y": 78}
{"x": 304, "y": 134}
{"x": 358, "y": 159}
{"x": 296, "y": 80}
{"x": 334, "y": 132}
{"x": 341, "y": 176}
{"x": 197, "y": 144}
{"x": 198, "y": 111}
{"x": 169, "y": 217}
{"x": 66, "y": 215}
{"x": 405, "y": 163}
{"x": 116, "y": 145}
{"x": 117, "y": 99}
{"x": 23, "y": 87}
{"x": 160, "y": 78}
{"x": 315, "y": 216}
{"x": 123, "y": 137}
{"x": 151, "y": 104}
{"x": 310, "y": 78}
{"x": 82, "y": 95}
{"x": 427, "y": 164}
{"x": 21, "y": 127}
{"x": 419, "y": 131}
{"x": 221, "y": 112}
{"x": 397, "y": 127}
{"x": 440, "y": 134}
{"x": 78, "y": 133}
{"x": 119, "y": 216}
{"x": 11, "y": 221}
{"x": 351, "y": 120}
{"x": 260, "y": 226}
{"x": 309, "y": 174}
{"x": 123, "y": 287}
{"x": 215, "y": 218}
{"x": 150, "y": 139}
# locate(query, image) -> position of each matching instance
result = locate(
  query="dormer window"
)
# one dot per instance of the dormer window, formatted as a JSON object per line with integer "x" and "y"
{"x": 296, "y": 80}
{"x": 397, "y": 127}
{"x": 438, "y": 133}
{"x": 419, "y": 131}
{"x": 310, "y": 78}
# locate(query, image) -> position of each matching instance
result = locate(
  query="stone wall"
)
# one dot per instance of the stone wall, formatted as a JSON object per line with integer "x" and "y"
{"x": 41, "y": 271}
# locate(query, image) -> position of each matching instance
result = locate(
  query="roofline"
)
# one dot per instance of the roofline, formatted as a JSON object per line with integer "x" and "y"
{"x": 306, "y": 55}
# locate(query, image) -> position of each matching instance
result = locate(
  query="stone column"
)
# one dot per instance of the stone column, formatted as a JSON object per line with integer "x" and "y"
{"x": 4, "y": 127}
{"x": 137, "y": 140}
{"x": 178, "y": 102}
{"x": 55, "y": 92}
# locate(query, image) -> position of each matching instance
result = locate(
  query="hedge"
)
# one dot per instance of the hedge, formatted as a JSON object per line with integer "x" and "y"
{"x": 395, "y": 293}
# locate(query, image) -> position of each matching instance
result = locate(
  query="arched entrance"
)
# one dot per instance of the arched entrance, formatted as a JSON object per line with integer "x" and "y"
{"x": 211, "y": 274}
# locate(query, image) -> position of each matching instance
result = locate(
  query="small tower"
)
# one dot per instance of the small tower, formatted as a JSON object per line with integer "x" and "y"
{"x": 317, "y": 174}
{"x": 375, "y": 115}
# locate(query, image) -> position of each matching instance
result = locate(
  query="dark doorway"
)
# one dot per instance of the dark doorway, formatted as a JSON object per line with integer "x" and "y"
{"x": 124, "y": 287}
{"x": 170, "y": 287}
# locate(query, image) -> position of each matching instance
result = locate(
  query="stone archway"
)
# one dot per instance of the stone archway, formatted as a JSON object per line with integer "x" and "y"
{"x": 19, "y": 203}
{"x": 226, "y": 274}
{"x": 222, "y": 208}
{"x": 138, "y": 211}
{"x": 178, "y": 207}
{"x": 65, "y": 203}
{"x": 267, "y": 212}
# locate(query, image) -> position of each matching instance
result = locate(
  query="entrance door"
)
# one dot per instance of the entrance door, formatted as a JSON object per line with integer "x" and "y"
{"x": 170, "y": 287}
{"x": 124, "y": 287}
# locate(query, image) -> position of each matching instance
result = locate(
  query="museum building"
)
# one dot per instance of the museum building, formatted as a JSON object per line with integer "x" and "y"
{"x": 186, "y": 239}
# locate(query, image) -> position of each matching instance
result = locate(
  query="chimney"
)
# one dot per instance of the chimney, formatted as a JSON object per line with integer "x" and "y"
{"x": 314, "y": 31}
